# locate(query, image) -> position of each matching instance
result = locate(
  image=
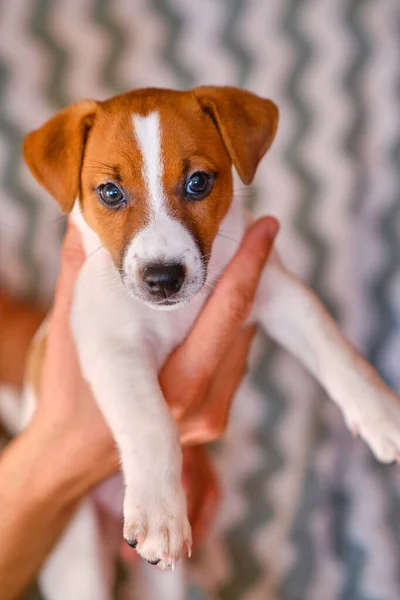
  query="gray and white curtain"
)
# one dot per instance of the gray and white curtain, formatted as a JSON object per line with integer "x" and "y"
{"x": 307, "y": 513}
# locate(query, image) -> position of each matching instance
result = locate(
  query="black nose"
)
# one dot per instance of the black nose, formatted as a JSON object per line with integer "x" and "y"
{"x": 163, "y": 281}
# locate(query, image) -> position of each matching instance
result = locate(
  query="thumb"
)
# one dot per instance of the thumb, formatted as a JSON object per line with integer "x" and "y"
{"x": 72, "y": 258}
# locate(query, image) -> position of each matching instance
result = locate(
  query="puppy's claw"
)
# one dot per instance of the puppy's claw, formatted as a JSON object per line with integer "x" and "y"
{"x": 136, "y": 542}
{"x": 164, "y": 562}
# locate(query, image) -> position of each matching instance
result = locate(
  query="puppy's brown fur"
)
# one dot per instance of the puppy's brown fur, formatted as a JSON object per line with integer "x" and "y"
{"x": 207, "y": 124}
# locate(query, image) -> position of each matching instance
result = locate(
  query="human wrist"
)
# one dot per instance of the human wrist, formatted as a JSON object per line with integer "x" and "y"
{"x": 62, "y": 468}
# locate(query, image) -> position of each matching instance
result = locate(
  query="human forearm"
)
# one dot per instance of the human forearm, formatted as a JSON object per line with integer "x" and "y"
{"x": 41, "y": 482}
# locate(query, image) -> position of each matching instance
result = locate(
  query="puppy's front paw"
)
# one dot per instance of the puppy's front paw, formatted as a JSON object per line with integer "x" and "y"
{"x": 376, "y": 418}
{"x": 158, "y": 527}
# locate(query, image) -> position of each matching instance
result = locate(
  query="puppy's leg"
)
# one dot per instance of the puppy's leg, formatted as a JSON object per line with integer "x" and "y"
{"x": 298, "y": 321}
{"x": 74, "y": 569}
{"x": 117, "y": 362}
{"x": 155, "y": 514}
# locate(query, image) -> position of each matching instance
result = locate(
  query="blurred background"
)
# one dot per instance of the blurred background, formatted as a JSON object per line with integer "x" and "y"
{"x": 307, "y": 513}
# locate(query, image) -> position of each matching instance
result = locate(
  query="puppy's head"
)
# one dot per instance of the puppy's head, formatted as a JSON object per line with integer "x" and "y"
{"x": 152, "y": 170}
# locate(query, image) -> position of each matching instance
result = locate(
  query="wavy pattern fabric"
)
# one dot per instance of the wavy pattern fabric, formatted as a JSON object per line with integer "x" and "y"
{"x": 307, "y": 513}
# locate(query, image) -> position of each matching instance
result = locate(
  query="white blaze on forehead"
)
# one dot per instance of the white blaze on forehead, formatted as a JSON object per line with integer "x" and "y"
{"x": 148, "y": 136}
{"x": 164, "y": 239}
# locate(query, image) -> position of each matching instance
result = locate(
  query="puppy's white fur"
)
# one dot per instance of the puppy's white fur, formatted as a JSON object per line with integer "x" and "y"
{"x": 122, "y": 343}
{"x": 148, "y": 135}
{"x": 164, "y": 240}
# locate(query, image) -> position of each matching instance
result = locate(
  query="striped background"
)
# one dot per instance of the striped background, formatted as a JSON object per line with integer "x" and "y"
{"x": 307, "y": 514}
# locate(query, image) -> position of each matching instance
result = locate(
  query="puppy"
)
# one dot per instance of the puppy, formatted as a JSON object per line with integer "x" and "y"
{"x": 147, "y": 178}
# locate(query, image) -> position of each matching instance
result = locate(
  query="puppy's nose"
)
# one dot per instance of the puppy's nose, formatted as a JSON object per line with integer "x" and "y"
{"x": 163, "y": 281}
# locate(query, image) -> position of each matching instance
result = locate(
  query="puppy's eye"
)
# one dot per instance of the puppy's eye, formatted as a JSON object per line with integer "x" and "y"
{"x": 198, "y": 186}
{"x": 111, "y": 195}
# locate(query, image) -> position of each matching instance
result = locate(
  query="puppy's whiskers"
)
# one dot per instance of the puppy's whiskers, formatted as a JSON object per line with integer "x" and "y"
{"x": 94, "y": 251}
{"x": 227, "y": 237}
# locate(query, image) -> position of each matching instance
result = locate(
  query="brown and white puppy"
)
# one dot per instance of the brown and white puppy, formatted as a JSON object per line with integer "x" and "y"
{"x": 147, "y": 177}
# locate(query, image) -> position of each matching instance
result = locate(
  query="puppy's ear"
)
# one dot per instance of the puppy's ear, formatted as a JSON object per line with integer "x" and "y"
{"x": 54, "y": 152}
{"x": 246, "y": 123}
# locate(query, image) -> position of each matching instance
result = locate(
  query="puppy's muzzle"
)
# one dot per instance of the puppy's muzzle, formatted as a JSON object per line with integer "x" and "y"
{"x": 163, "y": 281}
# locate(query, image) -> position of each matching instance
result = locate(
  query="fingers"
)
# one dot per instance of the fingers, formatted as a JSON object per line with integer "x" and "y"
{"x": 208, "y": 422}
{"x": 72, "y": 258}
{"x": 60, "y": 355}
{"x": 202, "y": 490}
{"x": 226, "y": 381}
{"x": 222, "y": 318}
{"x": 231, "y": 303}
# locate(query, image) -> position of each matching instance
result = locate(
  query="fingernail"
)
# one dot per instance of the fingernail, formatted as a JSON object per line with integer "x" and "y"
{"x": 271, "y": 227}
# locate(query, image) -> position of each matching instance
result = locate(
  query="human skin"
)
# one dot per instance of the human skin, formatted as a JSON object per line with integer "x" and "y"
{"x": 68, "y": 449}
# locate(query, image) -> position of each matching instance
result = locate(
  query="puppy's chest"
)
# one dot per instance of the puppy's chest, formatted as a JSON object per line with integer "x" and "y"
{"x": 164, "y": 331}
